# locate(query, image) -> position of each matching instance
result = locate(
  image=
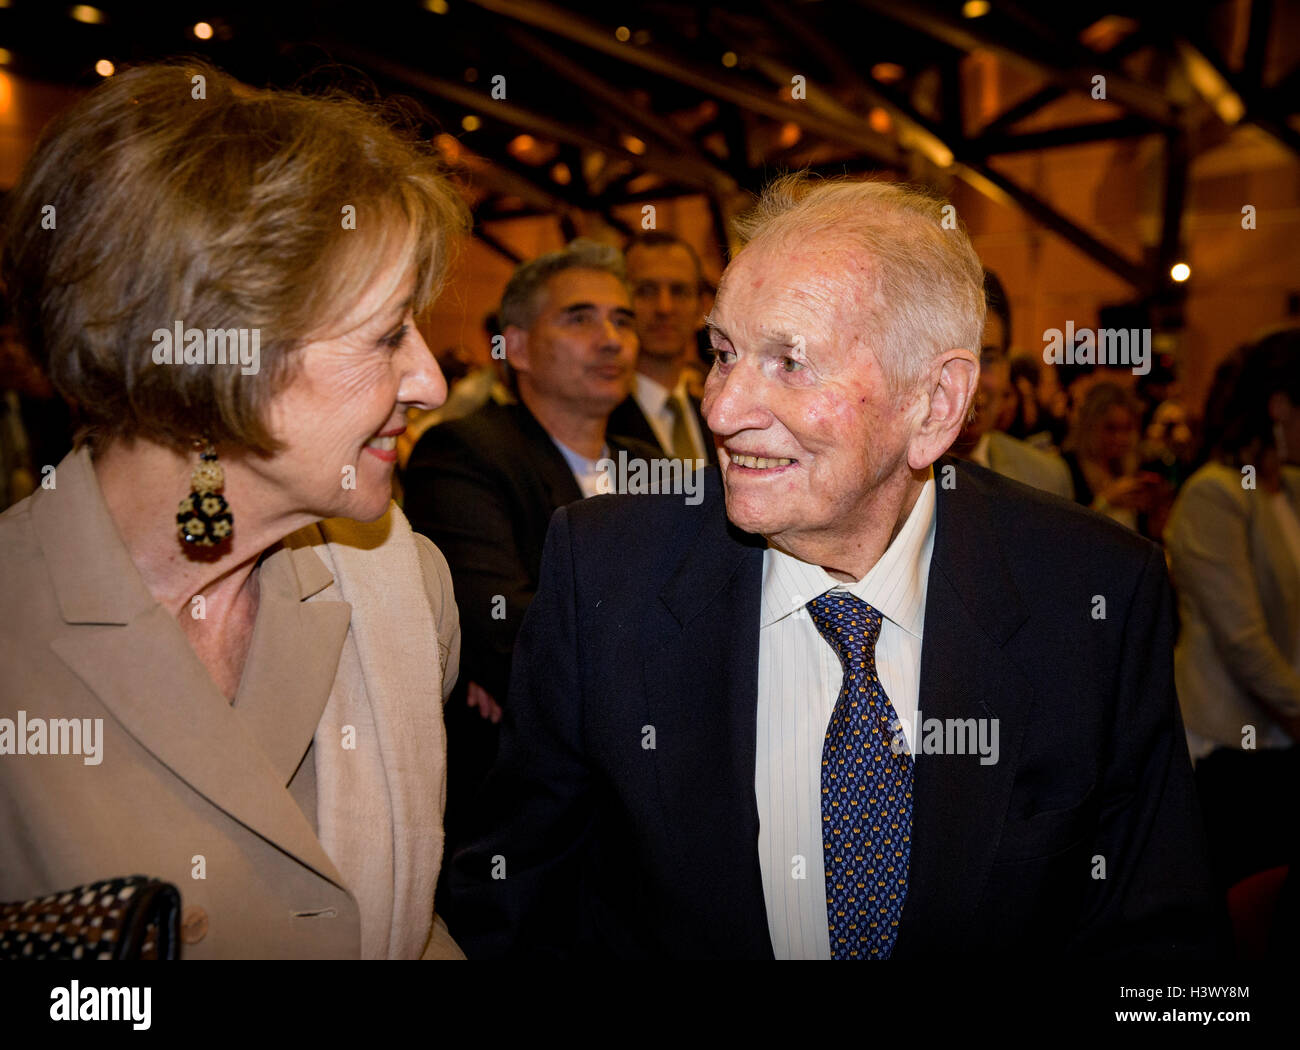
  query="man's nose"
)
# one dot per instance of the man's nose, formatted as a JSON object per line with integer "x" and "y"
{"x": 611, "y": 336}
{"x": 664, "y": 299}
{"x": 423, "y": 384}
{"x": 735, "y": 402}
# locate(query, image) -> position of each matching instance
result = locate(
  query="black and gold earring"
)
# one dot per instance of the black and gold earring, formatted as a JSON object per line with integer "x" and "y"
{"x": 203, "y": 517}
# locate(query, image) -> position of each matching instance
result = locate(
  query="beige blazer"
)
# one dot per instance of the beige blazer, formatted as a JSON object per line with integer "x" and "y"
{"x": 218, "y": 799}
{"x": 1239, "y": 605}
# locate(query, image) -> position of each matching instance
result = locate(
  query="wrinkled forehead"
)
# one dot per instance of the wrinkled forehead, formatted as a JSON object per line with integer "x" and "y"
{"x": 819, "y": 286}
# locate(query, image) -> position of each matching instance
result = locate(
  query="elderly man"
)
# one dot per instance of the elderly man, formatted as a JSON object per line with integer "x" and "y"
{"x": 839, "y": 709}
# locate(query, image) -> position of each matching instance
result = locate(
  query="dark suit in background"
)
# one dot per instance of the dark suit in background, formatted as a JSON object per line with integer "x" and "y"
{"x": 486, "y": 486}
{"x": 647, "y": 617}
{"x": 628, "y": 418}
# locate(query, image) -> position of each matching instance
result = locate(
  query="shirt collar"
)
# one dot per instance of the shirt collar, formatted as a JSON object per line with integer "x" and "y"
{"x": 578, "y": 463}
{"x": 895, "y": 586}
{"x": 651, "y": 395}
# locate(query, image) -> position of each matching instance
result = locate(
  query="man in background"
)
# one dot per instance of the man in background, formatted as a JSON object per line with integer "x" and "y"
{"x": 664, "y": 275}
{"x": 484, "y": 487}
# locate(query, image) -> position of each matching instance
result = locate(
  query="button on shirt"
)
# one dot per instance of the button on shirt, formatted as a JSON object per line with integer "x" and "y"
{"x": 653, "y": 399}
{"x": 799, "y": 679}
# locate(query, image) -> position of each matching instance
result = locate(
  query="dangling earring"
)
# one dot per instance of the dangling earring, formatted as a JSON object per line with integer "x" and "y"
{"x": 203, "y": 517}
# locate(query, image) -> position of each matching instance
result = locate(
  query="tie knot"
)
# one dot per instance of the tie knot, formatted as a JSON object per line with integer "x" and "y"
{"x": 849, "y": 624}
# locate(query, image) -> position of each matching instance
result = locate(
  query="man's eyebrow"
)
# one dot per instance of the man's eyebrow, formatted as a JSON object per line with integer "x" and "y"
{"x": 574, "y": 308}
{"x": 771, "y": 341}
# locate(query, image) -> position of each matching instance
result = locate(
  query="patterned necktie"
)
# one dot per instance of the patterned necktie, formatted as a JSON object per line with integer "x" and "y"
{"x": 866, "y": 790}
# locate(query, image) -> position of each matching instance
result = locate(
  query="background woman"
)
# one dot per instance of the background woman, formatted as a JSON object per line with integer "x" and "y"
{"x": 1102, "y": 456}
{"x": 1234, "y": 553}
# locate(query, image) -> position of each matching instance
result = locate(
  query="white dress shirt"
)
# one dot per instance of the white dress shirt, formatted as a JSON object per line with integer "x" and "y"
{"x": 799, "y": 679}
{"x": 590, "y": 478}
{"x": 653, "y": 399}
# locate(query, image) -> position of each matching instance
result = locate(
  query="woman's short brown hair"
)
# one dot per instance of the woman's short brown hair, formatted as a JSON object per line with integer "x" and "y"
{"x": 175, "y": 194}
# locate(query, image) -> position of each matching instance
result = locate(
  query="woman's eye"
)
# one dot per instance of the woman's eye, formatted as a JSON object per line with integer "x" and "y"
{"x": 396, "y": 339}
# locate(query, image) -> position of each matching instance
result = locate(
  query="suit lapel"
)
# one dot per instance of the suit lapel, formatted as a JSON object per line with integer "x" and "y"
{"x": 547, "y": 461}
{"x": 131, "y": 654}
{"x": 628, "y": 420}
{"x": 153, "y": 684}
{"x": 972, "y": 610}
{"x": 293, "y": 659}
{"x": 701, "y": 685}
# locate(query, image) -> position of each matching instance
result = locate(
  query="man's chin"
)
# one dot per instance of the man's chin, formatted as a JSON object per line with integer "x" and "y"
{"x": 747, "y": 516}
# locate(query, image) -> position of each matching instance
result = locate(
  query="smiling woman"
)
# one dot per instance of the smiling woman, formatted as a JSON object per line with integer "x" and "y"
{"x": 270, "y": 671}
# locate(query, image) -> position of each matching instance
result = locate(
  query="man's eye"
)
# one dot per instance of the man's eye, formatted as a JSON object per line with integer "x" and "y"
{"x": 721, "y": 356}
{"x": 787, "y": 361}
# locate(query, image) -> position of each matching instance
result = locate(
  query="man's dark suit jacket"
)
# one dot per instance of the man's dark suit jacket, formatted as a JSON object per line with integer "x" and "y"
{"x": 647, "y": 617}
{"x": 483, "y": 488}
{"x": 629, "y": 418}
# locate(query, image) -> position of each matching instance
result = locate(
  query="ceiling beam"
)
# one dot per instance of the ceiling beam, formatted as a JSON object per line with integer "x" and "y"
{"x": 648, "y": 124}
{"x": 987, "y": 145}
{"x": 531, "y": 121}
{"x": 960, "y": 157}
{"x": 1231, "y": 95}
{"x": 1043, "y": 213}
{"x": 660, "y": 61}
{"x": 502, "y": 249}
{"x": 1061, "y": 62}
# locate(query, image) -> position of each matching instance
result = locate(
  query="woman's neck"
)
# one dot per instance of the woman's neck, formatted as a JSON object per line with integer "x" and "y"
{"x": 142, "y": 482}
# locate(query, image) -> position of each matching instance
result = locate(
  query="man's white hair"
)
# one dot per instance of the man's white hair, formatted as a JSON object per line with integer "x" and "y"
{"x": 924, "y": 287}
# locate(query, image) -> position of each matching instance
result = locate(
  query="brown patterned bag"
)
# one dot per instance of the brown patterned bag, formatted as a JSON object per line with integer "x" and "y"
{"x": 128, "y": 918}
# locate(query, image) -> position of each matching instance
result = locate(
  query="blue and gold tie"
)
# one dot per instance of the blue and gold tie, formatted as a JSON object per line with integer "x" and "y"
{"x": 866, "y": 790}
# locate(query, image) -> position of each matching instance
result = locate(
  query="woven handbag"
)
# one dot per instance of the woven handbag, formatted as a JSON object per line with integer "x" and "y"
{"x": 128, "y": 918}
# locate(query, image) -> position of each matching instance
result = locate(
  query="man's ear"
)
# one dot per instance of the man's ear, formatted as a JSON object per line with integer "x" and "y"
{"x": 517, "y": 348}
{"x": 954, "y": 378}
